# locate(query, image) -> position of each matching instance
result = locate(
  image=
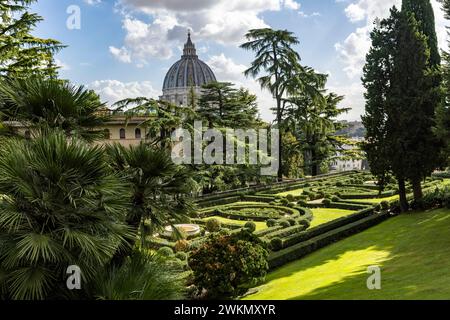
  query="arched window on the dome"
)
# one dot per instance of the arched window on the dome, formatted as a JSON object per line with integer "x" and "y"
{"x": 137, "y": 133}
{"x": 123, "y": 134}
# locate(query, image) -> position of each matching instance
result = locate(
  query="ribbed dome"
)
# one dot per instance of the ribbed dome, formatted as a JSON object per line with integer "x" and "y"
{"x": 189, "y": 71}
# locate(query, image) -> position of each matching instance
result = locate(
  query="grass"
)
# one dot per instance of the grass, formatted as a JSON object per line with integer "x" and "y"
{"x": 295, "y": 193}
{"x": 259, "y": 225}
{"x": 324, "y": 215}
{"x": 412, "y": 250}
{"x": 374, "y": 200}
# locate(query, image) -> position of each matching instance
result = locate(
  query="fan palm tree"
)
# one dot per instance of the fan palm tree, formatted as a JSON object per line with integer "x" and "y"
{"x": 62, "y": 206}
{"x": 50, "y": 103}
{"x": 141, "y": 277}
{"x": 160, "y": 189}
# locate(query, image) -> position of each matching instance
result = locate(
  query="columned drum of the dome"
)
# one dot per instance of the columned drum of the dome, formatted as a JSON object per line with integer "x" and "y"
{"x": 189, "y": 72}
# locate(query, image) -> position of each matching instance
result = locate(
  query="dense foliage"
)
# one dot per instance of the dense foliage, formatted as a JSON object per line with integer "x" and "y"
{"x": 226, "y": 266}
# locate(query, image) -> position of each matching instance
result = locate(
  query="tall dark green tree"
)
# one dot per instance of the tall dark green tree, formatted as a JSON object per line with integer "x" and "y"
{"x": 443, "y": 112}
{"x": 22, "y": 54}
{"x": 275, "y": 57}
{"x": 424, "y": 14}
{"x": 401, "y": 101}
{"x": 376, "y": 75}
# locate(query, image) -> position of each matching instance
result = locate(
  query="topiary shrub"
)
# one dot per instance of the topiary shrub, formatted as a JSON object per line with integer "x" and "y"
{"x": 326, "y": 202}
{"x": 285, "y": 224}
{"x": 290, "y": 198}
{"x": 339, "y": 184}
{"x": 304, "y": 222}
{"x": 292, "y": 222}
{"x": 250, "y": 226}
{"x": 165, "y": 252}
{"x": 227, "y": 266}
{"x": 181, "y": 246}
{"x": 335, "y": 199}
{"x": 213, "y": 225}
{"x": 271, "y": 223}
{"x": 181, "y": 256}
{"x": 284, "y": 202}
{"x": 276, "y": 244}
{"x": 302, "y": 203}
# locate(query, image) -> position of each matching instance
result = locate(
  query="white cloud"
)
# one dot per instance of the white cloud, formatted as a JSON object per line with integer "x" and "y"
{"x": 121, "y": 54}
{"x": 291, "y": 4}
{"x": 227, "y": 70}
{"x": 352, "y": 51}
{"x": 221, "y": 21}
{"x": 111, "y": 91}
{"x": 92, "y": 2}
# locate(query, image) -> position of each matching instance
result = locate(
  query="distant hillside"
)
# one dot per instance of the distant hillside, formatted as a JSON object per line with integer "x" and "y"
{"x": 354, "y": 129}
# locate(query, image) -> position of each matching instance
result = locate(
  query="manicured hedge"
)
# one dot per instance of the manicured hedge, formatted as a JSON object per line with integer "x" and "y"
{"x": 156, "y": 243}
{"x": 295, "y": 252}
{"x": 326, "y": 227}
{"x": 218, "y": 202}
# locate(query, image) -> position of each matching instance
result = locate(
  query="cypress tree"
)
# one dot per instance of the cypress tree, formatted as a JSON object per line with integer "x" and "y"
{"x": 424, "y": 14}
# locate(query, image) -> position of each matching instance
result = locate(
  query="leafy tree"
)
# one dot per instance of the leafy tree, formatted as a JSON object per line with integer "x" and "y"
{"x": 314, "y": 123}
{"x": 276, "y": 57}
{"x": 49, "y": 103}
{"x": 22, "y": 54}
{"x": 227, "y": 265}
{"x": 160, "y": 190}
{"x": 223, "y": 106}
{"x": 62, "y": 206}
{"x": 162, "y": 117}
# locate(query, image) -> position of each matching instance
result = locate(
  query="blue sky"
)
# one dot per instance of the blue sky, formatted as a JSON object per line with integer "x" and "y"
{"x": 124, "y": 47}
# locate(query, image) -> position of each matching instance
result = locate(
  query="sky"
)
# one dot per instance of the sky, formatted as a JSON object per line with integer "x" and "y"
{"x": 123, "y": 48}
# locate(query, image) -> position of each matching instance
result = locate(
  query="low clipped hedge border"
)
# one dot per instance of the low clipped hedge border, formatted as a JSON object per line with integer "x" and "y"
{"x": 295, "y": 252}
{"x": 221, "y": 211}
{"x": 326, "y": 227}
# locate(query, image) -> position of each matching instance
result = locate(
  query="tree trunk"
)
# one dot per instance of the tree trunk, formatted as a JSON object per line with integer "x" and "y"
{"x": 314, "y": 166}
{"x": 280, "y": 143}
{"x": 417, "y": 189}
{"x": 402, "y": 193}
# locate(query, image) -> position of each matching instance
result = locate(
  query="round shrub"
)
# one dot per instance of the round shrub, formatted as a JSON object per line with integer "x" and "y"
{"x": 213, "y": 225}
{"x": 292, "y": 222}
{"x": 302, "y": 203}
{"x": 181, "y": 256}
{"x": 305, "y": 223}
{"x": 339, "y": 184}
{"x": 378, "y": 207}
{"x": 250, "y": 226}
{"x": 165, "y": 252}
{"x": 271, "y": 223}
{"x": 312, "y": 196}
{"x": 290, "y": 198}
{"x": 291, "y": 205}
{"x": 182, "y": 246}
{"x": 335, "y": 199}
{"x": 285, "y": 224}
{"x": 219, "y": 257}
{"x": 326, "y": 202}
{"x": 276, "y": 244}
{"x": 284, "y": 202}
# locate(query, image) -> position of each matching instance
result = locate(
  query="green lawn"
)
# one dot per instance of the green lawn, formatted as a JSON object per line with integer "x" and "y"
{"x": 259, "y": 225}
{"x": 323, "y": 215}
{"x": 413, "y": 252}
{"x": 295, "y": 193}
